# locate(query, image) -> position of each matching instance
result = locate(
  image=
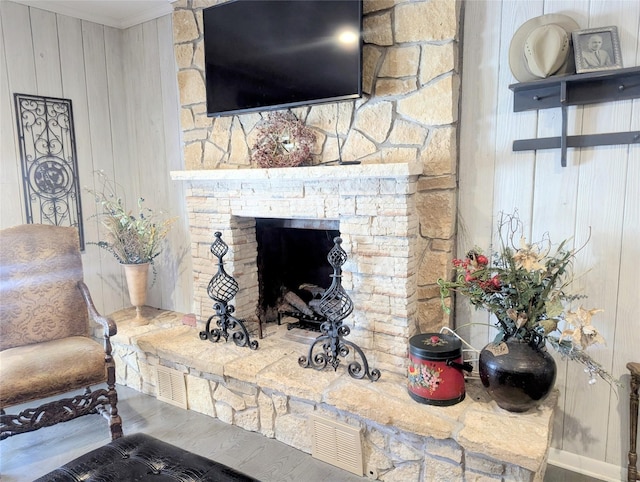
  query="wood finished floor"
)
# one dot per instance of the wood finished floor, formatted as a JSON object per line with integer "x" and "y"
{"x": 28, "y": 456}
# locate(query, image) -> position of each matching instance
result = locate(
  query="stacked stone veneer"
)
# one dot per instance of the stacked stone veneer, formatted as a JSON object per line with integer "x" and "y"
{"x": 378, "y": 222}
{"x": 265, "y": 391}
{"x": 408, "y": 114}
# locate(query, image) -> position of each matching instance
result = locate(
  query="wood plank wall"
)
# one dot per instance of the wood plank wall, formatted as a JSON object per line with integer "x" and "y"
{"x": 123, "y": 88}
{"x": 597, "y": 195}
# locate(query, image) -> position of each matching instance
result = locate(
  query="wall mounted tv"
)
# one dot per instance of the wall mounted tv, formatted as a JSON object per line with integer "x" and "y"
{"x": 275, "y": 54}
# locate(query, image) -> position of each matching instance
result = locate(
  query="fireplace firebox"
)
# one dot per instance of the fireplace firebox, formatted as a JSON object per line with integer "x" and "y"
{"x": 293, "y": 271}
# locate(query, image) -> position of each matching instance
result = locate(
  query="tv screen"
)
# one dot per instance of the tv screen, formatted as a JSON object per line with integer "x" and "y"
{"x": 273, "y": 54}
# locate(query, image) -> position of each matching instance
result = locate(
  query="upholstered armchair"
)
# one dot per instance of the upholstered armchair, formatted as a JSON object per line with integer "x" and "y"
{"x": 45, "y": 344}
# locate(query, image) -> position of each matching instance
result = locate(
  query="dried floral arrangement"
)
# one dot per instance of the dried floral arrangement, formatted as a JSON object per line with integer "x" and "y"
{"x": 283, "y": 141}
{"x": 525, "y": 286}
{"x": 129, "y": 238}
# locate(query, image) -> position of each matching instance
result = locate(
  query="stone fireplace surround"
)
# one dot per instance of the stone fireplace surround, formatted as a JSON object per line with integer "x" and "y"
{"x": 266, "y": 391}
{"x": 375, "y": 207}
{"x": 394, "y": 218}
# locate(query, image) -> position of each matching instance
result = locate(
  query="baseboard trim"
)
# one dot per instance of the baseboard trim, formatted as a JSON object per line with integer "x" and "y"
{"x": 586, "y": 466}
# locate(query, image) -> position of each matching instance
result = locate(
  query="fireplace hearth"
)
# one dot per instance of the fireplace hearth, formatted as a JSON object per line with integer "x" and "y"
{"x": 266, "y": 391}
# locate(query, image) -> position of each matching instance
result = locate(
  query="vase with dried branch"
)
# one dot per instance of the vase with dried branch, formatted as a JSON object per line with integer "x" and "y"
{"x": 135, "y": 241}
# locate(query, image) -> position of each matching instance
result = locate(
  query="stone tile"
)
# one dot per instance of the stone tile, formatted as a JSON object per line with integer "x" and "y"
{"x": 247, "y": 367}
{"x": 294, "y": 430}
{"x": 403, "y": 473}
{"x": 287, "y": 376}
{"x": 191, "y": 86}
{"x": 184, "y": 26}
{"x": 505, "y": 440}
{"x": 267, "y": 415}
{"x": 442, "y": 471}
{"x": 387, "y": 402}
{"x": 426, "y": 21}
{"x": 401, "y": 62}
{"x": 223, "y": 394}
{"x": 248, "y": 420}
{"x": 199, "y": 395}
{"x": 377, "y": 29}
{"x": 156, "y": 319}
{"x": 437, "y": 96}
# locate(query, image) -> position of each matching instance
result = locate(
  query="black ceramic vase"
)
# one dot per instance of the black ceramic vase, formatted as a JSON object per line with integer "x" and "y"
{"x": 516, "y": 375}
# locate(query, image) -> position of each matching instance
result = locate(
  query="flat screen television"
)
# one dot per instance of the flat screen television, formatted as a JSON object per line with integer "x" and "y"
{"x": 275, "y": 54}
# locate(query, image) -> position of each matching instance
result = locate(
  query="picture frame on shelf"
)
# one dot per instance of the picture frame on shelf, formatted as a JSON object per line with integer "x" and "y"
{"x": 597, "y": 49}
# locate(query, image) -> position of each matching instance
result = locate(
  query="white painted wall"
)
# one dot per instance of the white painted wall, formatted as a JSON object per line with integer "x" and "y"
{"x": 598, "y": 193}
{"x": 123, "y": 88}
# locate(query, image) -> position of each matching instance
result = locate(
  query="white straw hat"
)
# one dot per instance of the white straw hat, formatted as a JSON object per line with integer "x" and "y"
{"x": 541, "y": 47}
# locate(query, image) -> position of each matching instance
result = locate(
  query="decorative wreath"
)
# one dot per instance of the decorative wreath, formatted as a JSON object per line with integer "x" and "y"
{"x": 283, "y": 141}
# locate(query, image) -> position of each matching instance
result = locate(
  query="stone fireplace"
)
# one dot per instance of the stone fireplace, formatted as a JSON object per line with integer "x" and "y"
{"x": 373, "y": 206}
{"x": 396, "y": 214}
{"x": 407, "y": 116}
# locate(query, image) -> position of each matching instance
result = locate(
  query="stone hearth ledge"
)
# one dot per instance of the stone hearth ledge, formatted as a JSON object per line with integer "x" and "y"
{"x": 306, "y": 173}
{"x": 488, "y": 435}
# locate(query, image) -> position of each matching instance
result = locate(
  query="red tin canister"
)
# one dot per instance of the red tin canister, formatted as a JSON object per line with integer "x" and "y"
{"x": 435, "y": 369}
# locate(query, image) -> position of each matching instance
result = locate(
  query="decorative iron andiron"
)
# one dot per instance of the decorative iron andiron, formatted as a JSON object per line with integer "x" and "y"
{"x": 222, "y": 288}
{"x": 336, "y": 305}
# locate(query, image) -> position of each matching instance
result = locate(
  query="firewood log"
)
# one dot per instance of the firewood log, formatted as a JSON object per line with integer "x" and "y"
{"x": 315, "y": 290}
{"x": 315, "y": 306}
{"x": 294, "y": 300}
{"x": 284, "y": 307}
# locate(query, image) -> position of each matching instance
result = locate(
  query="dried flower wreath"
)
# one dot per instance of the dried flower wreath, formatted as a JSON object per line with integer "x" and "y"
{"x": 283, "y": 141}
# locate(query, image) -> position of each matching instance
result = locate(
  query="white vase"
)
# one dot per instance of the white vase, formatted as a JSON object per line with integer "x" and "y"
{"x": 137, "y": 277}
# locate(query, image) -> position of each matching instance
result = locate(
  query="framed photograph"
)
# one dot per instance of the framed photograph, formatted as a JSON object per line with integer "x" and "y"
{"x": 597, "y": 49}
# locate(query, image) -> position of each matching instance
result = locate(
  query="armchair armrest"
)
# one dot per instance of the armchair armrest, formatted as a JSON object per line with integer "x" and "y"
{"x": 110, "y": 328}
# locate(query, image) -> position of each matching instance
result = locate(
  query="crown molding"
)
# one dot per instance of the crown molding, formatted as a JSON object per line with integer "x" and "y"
{"x": 118, "y": 14}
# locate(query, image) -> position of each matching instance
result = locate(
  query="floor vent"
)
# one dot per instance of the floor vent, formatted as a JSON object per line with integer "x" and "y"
{"x": 337, "y": 444}
{"x": 171, "y": 387}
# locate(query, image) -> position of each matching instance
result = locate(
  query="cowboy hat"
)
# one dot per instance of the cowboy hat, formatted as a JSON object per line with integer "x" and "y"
{"x": 542, "y": 47}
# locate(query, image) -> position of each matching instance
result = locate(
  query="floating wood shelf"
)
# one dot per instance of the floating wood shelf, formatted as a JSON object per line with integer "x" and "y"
{"x": 578, "y": 89}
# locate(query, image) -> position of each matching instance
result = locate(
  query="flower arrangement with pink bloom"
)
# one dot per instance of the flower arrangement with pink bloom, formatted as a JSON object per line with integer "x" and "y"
{"x": 525, "y": 285}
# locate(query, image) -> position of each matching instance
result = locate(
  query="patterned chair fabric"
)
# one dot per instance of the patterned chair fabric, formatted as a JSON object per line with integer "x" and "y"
{"x": 41, "y": 268}
{"x": 45, "y": 343}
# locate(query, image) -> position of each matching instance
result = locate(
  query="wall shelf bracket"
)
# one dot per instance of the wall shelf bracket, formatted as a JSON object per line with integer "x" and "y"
{"x": 577, "y": 89}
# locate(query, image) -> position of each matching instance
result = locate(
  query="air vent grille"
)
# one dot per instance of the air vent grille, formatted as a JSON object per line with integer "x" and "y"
{"x": 171, "y": 387}
{"x": 337, "y": 444}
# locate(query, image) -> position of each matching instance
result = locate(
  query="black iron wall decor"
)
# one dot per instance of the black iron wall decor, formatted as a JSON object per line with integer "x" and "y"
{"x": 336, "y": 305}
{"x": 221, "y": 289}
{"x": 49, "y": 161}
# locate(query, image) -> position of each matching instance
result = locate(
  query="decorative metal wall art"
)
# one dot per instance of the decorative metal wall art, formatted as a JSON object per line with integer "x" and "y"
{"x": 222, "y": 288}
{"x": 49, "y": 161}
{"x": 336, "y": 305}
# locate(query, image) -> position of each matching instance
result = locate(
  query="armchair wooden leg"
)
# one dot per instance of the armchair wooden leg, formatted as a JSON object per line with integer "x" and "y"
{"x": 115, "y": 422}
{"x": 634, "y": 368}
{"x": 111, "y": 414}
